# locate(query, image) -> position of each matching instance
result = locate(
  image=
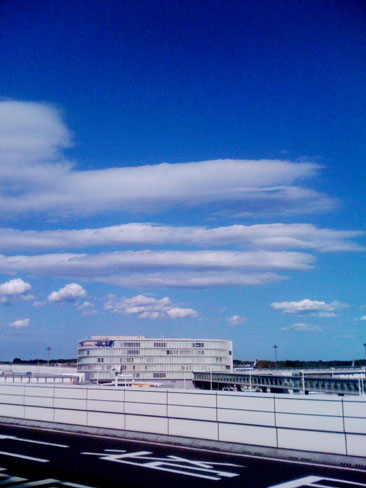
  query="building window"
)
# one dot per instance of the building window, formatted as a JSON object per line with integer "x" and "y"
{"x": 133, "y": 352}
{"x": 100, "y": 360}
{"x": 131, "y": 344}
{"x": 159, "y": 375}
{"x": 130, "y": 360}
{"x": 198, "y": 344}
{"x": 159, "y": 344}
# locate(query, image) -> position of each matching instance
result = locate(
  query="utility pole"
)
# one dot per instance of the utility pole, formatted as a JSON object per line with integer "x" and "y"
{"x": 275, "y": 350}
{"x": 48, "y": 355}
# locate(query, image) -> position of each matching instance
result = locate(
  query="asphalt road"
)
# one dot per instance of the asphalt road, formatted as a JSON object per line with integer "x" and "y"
{"x": 51, "y": 459}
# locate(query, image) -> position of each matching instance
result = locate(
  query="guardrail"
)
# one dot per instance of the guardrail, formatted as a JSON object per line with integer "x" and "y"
{"x": 265, "y": 382}
{"x": 322, "y": 424}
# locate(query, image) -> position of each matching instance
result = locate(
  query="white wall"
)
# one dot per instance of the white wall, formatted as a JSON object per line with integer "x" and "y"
{"x": 325, "y": 424}
{"x": 38, "y": 369}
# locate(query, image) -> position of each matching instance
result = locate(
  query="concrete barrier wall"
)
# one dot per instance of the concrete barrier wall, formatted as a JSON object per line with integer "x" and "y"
{"x": 324, "y": 424}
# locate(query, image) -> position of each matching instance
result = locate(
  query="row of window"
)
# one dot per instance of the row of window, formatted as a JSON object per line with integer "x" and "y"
{"x": 166, "y": 360}
{"x": 137, "y": 375}
{"x": 158, "y": 345}
{"x": 150, "y": 352}
{"x": 150, "y": 369}
{"x": 158, "y": 374}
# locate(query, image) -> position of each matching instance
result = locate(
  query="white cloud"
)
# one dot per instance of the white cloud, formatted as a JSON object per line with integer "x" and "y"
{"x": 263, "y": 236}
{"x": 31, "y": 132}
{"x": 312, "y": 307}
{"x": 179, "y": 279}
{"x": 303, "y": 327}
{"x": 235, "y": 320}
{"x": 36, "y": 177}
{"x": 363, "y": 317}
{"x": 86, "y": 308}
{"x": 69, "y": 293}
{"x": 19, "y": 323}
{"x": 15, "y": 290}
{"x": 162, "y": 268}
{"x": 101, "y": 263}
{"x": 148, "y": 307}
{"x": 84, "y": 305}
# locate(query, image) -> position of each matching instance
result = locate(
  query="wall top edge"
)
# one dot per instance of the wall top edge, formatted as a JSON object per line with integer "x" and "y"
{"x": 278, "y": 396}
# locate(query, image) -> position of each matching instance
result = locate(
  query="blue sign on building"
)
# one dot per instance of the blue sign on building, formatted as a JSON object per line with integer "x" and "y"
{"x": 104, "y": 343}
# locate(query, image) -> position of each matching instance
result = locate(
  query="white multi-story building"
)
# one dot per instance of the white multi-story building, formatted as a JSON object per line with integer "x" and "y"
{"x": 169, "y": 361}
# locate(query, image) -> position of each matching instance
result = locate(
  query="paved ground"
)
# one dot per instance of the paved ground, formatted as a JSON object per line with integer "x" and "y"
{"x": 50, "y": 459}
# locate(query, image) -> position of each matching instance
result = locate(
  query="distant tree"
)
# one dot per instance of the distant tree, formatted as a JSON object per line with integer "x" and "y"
{"x": 17, "y": 361}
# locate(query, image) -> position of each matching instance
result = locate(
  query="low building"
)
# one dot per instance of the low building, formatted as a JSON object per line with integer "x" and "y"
{"x": 142, "y": 359}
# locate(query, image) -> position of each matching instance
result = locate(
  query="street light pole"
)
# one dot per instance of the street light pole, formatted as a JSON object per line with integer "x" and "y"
{"x": 48, "y": 355}
{"x": 275, "y": 350}
{"x": 364, "y": 345}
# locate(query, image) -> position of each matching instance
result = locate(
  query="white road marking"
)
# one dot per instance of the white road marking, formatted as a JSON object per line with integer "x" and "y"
{"x": 75, "y": 485}
{"x": 12, "y": 479}
{"x": 171, "y": 464}
{"x": 192, "y": 448}
{"x": 48, "y": 481}
{"x": 32, "y": 441}
{"x": 140, "y": 455}
{"x": 8, "y": 479}
{"x": 21, "y": 456}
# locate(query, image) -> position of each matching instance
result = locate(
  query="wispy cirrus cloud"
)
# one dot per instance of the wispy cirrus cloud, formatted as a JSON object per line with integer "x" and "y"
{"x": 189, "y": 279}
{"x": 92, "y": 264}
{"x": 37, "y": 177}
{"x": 148, "y": 307}
{"x": 302, "y": 327}
{"x": 86, "y": 308}
{"x": 163, "y": 268}
{"x": 311, "y": 307}
{"x": 264, "y": 236}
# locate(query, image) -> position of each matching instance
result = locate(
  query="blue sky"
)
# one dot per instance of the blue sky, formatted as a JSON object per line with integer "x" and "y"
{"x": 178, "y": 169}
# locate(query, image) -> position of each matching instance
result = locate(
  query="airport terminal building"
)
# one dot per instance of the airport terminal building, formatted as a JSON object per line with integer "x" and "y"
{"x": 142, "y": 359}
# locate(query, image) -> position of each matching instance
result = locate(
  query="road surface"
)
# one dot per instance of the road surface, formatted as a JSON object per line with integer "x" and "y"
{"x": 31, "y": 458}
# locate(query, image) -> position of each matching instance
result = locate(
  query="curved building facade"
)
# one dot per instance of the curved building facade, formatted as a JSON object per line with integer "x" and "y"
{"x": 168, "y": 361}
